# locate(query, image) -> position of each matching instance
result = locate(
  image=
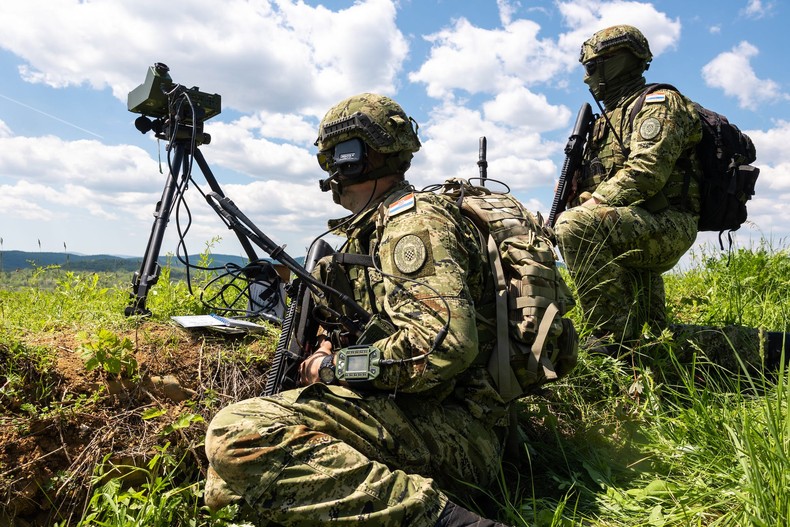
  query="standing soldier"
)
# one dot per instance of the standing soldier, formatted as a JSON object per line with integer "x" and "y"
{"x": 632, "y": 218}
{"x": 383, "y": 449}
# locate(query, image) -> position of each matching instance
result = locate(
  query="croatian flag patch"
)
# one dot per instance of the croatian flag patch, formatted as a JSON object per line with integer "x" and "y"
{"x": 402, "y": 205}
{"x": 655, "y": 97}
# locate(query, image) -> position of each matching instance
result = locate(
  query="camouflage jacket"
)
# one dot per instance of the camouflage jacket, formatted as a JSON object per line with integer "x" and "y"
{"x": 429, "y": 269}
{"x": 660, "y": 152}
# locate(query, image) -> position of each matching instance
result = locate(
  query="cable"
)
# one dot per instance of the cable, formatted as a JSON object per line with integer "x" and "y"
{"x": 233, "y": 283}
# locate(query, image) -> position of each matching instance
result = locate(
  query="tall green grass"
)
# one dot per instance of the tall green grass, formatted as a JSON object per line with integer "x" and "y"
{"x": 652, "y": 441}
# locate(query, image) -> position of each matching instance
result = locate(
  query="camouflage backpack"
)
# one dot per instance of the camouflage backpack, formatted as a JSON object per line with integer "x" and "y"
{"x": 535, "y": 343}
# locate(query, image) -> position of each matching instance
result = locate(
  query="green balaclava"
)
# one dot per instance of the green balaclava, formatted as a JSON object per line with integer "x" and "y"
{"x": 615, "y": 59}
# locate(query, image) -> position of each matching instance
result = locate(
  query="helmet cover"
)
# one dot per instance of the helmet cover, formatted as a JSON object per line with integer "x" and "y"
{"x": 375, "y": 119}
{"x": 614, "y": 38}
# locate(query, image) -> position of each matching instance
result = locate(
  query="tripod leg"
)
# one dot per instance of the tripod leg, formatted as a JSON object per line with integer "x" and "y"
{"x": 150, "y": 269}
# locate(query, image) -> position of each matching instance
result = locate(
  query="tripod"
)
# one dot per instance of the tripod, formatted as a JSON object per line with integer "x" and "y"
{"x": 182, "y": 126}
{"x": 184, "y": 143}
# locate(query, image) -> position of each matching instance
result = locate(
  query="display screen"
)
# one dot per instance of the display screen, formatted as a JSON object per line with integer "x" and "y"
{"x": 357, "y": 363}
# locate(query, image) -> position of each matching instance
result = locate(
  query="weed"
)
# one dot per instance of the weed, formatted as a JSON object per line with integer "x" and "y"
{"x": 108, "y": 351}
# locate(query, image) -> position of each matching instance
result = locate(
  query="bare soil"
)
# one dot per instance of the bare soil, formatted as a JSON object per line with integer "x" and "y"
{"x": 81, "y": 427}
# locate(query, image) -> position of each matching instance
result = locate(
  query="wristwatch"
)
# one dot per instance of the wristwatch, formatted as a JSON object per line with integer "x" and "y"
{"x": 326, "y": 372}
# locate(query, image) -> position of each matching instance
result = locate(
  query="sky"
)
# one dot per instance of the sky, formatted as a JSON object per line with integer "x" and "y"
{"x": 77, "y": 176}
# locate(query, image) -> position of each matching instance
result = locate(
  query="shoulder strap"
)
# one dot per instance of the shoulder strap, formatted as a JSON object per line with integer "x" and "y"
{"x": 499, "y": 362}
{"x": 650, "y": 88}
{"x": 365, "y": 260}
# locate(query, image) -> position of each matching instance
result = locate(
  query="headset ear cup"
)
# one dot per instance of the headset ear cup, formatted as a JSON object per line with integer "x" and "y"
{"x": 350, "y": 158}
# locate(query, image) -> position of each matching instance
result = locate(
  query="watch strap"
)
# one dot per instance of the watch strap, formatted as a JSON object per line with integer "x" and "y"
{"x": 327, "y": 364}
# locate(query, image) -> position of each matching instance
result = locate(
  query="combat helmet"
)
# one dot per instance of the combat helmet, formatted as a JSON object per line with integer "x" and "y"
{"x": 614, "y": 38}
{"x": 375, "y": 119}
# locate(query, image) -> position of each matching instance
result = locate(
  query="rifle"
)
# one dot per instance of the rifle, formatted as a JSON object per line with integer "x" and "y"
{"x": 359, "y": 325}
{"x": 298, "y": 328}
{"x": 574, "y": 150}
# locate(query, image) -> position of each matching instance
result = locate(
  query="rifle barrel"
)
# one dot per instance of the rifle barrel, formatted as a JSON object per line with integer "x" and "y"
{"x": 574, "y": 151}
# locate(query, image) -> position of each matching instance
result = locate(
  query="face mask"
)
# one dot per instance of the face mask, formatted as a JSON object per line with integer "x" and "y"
{"x": 595, "y": 82}
{"x": 606, "y": 76}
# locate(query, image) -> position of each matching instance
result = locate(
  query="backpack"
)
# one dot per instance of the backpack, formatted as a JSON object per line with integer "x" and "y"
{"x": 728, "y": 179}
{"x": 535, "y": 343}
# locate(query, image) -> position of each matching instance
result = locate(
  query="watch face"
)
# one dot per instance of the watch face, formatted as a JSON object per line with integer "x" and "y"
{"x": 326, "y": 373}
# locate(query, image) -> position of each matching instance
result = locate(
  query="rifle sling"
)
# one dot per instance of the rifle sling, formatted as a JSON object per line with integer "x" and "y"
{"x": 365, "y": 260}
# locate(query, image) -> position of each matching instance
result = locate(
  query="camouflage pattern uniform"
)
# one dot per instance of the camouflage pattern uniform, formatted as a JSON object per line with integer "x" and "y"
{"x": 617, "y": 250}
{"x": 733, "y": 348}
{"x": 385, "y": 455}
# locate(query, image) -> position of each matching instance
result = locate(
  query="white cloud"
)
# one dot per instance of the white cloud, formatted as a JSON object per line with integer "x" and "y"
{"x": 24, "y": 198}
{"x": 244, "y": 146}
{"x": 74, "y": 162}
{"x": 478, "y": 60}
{"x": 585, "y": 17}
{"x": 507, "y": 8}
{"x": 516, "y": 155}
{"x": 521, "y": 108}
{"x": 308, "y": 57}
{"x": 732, "y": 72}
{"x": 757, "y": 9}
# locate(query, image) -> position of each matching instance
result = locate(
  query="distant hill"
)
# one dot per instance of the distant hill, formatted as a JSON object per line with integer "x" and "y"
{"x": 12, "y": 260}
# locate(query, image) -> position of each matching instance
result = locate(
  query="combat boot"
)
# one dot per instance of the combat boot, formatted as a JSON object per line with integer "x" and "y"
{"x": 456, "y": 516}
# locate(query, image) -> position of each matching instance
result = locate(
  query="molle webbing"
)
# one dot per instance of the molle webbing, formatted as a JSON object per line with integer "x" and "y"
{"x": 533, "y": 345}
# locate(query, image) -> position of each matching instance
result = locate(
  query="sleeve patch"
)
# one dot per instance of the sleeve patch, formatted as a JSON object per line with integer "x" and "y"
{"x": 655, "y": 97}
{"x": 412, "y": 254}
{"x": 650, "y": 128}
{"x": 403, "y": 204}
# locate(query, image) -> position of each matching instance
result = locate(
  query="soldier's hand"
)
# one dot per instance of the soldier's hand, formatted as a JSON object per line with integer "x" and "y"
{"x": 589, "y": 201}
{"x": 308, "y": 370}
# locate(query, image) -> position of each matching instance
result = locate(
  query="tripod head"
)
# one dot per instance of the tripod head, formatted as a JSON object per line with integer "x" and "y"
{"x": 172, "y": 111}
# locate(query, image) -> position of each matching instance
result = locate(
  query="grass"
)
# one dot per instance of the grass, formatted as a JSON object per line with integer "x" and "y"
{"x": 659, "y": 441}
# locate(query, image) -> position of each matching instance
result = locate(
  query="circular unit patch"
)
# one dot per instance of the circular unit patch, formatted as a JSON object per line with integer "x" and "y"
{"x": 409, "y": 254}
{"x": 650, "y": 128}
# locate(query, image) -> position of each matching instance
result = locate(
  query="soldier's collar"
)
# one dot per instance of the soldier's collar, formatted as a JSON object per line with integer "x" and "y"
{"x": 364, "y": 216}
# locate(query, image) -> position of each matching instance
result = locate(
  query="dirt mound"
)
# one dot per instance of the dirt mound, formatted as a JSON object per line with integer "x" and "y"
{"x": 66, "y": 429}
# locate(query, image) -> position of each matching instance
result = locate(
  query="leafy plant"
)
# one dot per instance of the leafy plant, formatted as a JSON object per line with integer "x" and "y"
{"x": 161, "y": 501}
{"x": 108, "y": 351}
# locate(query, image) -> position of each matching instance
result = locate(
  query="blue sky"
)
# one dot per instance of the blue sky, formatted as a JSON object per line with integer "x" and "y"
{"x": 75, "y": 172}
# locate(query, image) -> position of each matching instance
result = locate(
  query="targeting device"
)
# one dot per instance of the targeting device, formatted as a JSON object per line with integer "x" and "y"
{"x": 155, "y": 97}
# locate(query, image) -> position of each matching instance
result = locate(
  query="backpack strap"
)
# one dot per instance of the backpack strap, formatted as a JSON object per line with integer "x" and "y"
{"x": 499, "y": 363}
{"x": 540, "y": 340}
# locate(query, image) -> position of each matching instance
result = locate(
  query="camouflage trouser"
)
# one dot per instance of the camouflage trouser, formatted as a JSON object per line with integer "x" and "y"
{"x": 616, "y": 256}
{"x": 731, "y": 347}
{"x": 325, "y": 454}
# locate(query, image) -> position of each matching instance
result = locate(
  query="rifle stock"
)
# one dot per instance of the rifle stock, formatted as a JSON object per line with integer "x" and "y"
{"x": 574, "y": 151}
{"x": 298, "y": 329}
